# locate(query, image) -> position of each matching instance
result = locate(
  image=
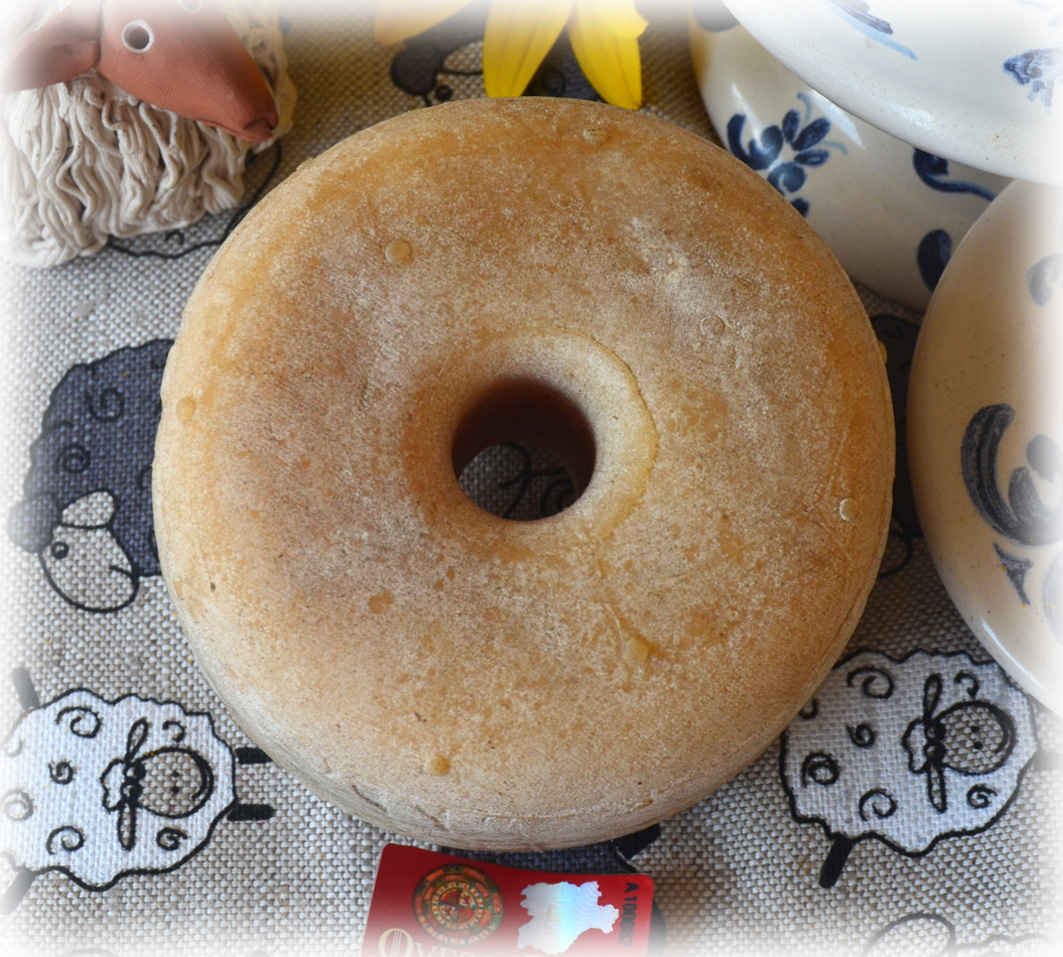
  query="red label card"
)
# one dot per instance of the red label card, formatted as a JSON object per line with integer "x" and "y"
{"x": 433, "y": 905}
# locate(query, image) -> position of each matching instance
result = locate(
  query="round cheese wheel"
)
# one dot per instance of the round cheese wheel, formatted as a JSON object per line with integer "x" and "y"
{"x": 564, "y": 274}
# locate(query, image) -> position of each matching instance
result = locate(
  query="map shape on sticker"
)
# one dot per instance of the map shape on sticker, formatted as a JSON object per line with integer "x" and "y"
{"x": 560, "y": 913}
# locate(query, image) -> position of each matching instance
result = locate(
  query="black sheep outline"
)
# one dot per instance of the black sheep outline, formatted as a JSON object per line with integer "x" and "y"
{"x": 236, "y": 811}
{"x": 951, "y": 948}
{"x": 85, "y": 405}
{"x": 841, "y": 844}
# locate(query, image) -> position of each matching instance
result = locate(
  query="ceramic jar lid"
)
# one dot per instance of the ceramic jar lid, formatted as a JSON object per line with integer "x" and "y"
{"x": 968, "y": 81}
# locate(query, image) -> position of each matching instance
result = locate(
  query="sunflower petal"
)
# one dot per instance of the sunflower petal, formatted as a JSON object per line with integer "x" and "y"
{"x": 396, "y": 21}
{"x": 604, "y": 38}
{"x": 618, "y": 17}
{"x": 518, "y": 36}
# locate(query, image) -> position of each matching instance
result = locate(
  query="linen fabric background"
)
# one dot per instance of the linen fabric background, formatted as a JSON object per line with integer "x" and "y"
{"x": 801, "y": 853}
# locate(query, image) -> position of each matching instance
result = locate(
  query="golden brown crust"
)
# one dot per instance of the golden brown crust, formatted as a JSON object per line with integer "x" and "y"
{"x": 485, "y": 683}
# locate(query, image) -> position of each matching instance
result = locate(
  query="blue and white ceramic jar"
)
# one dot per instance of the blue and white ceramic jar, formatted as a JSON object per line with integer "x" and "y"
{"x": 985, "y": 433}
{"x": 972, "y": 80}
{"x": 891, "y": 213}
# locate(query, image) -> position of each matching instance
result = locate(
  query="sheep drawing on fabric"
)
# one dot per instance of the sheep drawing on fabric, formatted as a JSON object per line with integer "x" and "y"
{"x": 99, "y": 789}
{"x": 86, "y": 506}
{"x": 99, "y": 138}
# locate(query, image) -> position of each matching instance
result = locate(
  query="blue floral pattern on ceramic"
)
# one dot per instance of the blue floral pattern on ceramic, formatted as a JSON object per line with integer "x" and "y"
{"x": 1023, "y": 517}
{"x": 933, "y": 171}
{"x": 1020, "y": 515}
{"x": 932, "y": 255}
{"x": 1038, "y": 69}
{"x": 875, "y": 28}
{"x": 935, "y": 248}
{"x": 800, "y": 137}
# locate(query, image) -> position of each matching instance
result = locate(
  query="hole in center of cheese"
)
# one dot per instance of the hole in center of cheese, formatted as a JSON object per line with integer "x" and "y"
{"x": 524, "y": 450}
{"x": 519, "y": 482}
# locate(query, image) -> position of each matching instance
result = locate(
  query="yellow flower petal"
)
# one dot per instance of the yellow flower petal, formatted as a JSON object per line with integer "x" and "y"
{"x": 618, "y": 17}
{"x": 605, "y": 42}
{"x": 519, "y": 33}
{"x": 398, "y": 20}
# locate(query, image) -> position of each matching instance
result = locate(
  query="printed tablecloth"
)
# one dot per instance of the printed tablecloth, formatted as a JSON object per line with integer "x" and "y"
{"x": 848, "y": 836}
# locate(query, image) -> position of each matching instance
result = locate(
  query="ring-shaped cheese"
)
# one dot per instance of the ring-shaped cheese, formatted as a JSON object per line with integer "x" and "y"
{"x": 556, "y": 272}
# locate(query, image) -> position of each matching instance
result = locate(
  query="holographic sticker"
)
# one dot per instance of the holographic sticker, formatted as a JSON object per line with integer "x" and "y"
{"x": 561, "y": 913}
